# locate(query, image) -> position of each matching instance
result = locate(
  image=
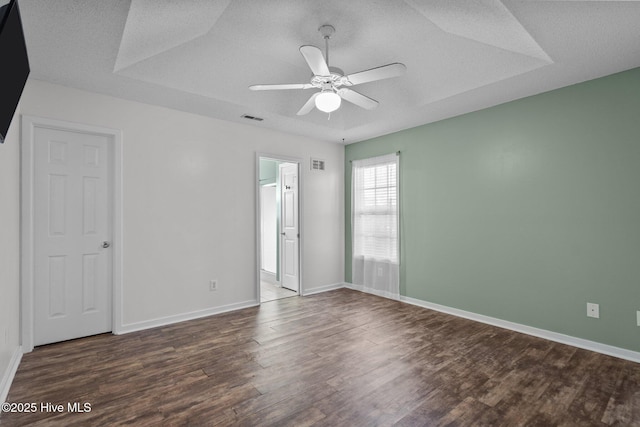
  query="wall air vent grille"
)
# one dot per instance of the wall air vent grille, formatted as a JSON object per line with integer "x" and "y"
{"x": 317, "y": 165}
{"x": 247, "y": 116}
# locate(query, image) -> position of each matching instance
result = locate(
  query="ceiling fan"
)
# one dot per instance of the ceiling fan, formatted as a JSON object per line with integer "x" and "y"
{"x": 333, "y": 84}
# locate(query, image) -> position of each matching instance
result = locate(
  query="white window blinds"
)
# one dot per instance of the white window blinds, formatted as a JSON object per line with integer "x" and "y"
{"x": 375, "y": 223}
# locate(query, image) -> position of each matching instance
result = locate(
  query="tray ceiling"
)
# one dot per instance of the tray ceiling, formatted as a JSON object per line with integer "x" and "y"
{"x": 201, "y": 55}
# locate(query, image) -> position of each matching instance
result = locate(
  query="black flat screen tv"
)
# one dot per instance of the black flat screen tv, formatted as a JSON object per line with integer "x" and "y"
{"x": 14, "y": 64}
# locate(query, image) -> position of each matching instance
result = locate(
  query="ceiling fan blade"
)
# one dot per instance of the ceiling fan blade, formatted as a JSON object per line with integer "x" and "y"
{"x": 357, "y": 98}
{"x": 308, "y": 106}
{"x": 283, "y": 86}
{"x": 386, "y": 71}
{"x": 316, "y": 61}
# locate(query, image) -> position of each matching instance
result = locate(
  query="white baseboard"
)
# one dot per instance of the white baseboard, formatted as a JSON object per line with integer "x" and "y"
{"x": 269, "y": 277}
{"x": 609, "y": 350}
{"x": 597, "y": 347}
{"x": 361, "y": 288}
{"x": 163, "y": 321}
{"x": 10, "y": 373}
{"x": 320, "y": 289}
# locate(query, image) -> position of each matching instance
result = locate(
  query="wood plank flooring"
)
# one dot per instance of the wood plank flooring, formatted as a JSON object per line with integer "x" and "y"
{"x": 341, "y": 358}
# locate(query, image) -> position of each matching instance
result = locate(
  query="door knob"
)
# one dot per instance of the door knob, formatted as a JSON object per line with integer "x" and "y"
{"x": 106, "y": 244}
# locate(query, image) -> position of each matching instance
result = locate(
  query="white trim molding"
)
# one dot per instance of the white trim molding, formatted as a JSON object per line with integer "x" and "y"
{"x": 10, "y": 373}
{"x": 366, "y": 290}
{"x": 169, "y": 320}
{"x": 29, "y": 124}
{"x": 609, "y": 350}
{"x": 597, "y": 347}
{"x": 325, "y": 288}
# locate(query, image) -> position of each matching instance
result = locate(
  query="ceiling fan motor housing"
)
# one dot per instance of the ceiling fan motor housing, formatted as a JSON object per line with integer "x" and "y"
{"x": 335, "y": 79}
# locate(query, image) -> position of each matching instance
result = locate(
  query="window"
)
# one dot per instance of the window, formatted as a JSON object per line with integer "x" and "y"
{"x": 375, "y": 209}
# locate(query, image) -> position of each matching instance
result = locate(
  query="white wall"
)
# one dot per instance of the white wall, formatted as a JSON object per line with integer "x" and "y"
{"x": 269, "y": 228}
{"x": 189, "y": 202}
{"x": 9, "y": 254}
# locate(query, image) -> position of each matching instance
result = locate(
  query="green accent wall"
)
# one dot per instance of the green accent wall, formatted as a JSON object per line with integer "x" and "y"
{"x": 525, "y": 211}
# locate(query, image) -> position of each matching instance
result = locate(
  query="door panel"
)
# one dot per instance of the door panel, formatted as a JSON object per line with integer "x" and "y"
{"x": 290, "y": 264}
{"x": 72, "y": 282}
{"x": 289, "y": 211}
{"x": 57, "y": 286}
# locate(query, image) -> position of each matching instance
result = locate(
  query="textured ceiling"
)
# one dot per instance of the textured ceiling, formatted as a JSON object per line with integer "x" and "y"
{"x": 201, "y": 55}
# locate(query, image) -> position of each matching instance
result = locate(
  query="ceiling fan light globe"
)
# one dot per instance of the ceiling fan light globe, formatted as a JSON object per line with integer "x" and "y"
{"x": 328, "y": 101}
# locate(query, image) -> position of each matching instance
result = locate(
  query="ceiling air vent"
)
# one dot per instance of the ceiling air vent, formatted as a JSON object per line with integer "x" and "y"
{"x": 257, "y": 119}
{"x": 317, "y": 165}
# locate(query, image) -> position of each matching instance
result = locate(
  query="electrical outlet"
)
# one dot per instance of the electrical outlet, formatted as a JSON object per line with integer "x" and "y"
{"x": 593, "y": 310}
{"x": 213, "y": 285}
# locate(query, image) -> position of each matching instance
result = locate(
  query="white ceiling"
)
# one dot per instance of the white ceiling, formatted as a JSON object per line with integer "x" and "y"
{"x": 201, "y": 55}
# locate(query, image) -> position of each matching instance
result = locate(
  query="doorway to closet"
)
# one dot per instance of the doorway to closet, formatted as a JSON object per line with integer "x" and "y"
{"x": 279, "y": 228}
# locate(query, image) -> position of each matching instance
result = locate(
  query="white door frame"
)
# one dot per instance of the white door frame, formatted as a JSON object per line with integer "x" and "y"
{"x": 114, "y": 136}
{"x": 288, "y": 159}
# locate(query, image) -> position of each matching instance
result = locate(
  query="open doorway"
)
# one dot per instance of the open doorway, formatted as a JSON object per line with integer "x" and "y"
{"x": 278, "y": 228}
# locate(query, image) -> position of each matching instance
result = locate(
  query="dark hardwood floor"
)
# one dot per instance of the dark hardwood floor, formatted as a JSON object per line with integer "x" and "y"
{"x": 340, "y": 358}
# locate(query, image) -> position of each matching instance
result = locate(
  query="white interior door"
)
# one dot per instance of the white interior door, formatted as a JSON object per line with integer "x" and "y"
{"x": 72, "y": 234}
{"x": 289, "y": 226}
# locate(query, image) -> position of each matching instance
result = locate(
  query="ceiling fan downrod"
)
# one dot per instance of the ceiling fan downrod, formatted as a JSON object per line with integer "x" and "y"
{"x": 326, "y": 31}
